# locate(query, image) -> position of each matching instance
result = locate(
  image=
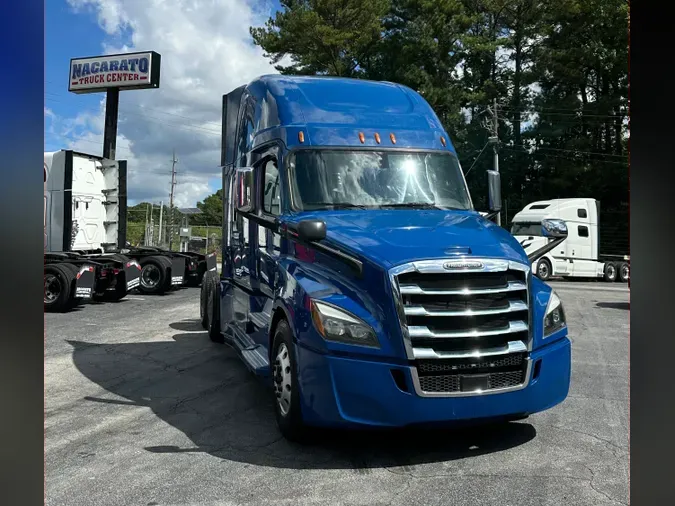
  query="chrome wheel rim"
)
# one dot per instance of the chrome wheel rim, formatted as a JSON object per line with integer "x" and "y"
{"x": 52, "y": 288}
{"x": 625, "y": 272}
{"x": 543, "y": 270}
{"x": 150, "y": 276}
{"x": 282, "y": 379}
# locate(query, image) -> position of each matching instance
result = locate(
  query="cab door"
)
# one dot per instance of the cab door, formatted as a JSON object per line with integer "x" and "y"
{"x": 241, "y": 203}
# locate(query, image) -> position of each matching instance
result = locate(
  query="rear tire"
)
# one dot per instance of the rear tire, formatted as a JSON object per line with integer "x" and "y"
{"x": 203, "y": 298}
{"x": 213, "y": 311}
{"x": 544, "y": 269}
{"x": 154, "y": 275}
{"x": 59, "y": 281}
{"x": 610, "y": 272}
{"x": 287, "y": 394}
{"x": 624, "y": 272}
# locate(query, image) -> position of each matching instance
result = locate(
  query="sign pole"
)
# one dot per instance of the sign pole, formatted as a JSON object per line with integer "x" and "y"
{"x": 112, "y": 101}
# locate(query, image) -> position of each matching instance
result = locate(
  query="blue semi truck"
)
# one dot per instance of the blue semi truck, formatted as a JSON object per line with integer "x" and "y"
{"x": 358, "y": 279}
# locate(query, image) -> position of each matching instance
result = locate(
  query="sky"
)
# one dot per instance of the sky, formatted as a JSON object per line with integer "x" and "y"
{"x": 206, "y": 52}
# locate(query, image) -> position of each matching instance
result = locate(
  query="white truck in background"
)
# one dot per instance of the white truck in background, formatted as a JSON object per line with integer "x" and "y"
{"x": 85, "y": 206}
{"x": 579, "y": 255}
{"x": 84, "y": 227}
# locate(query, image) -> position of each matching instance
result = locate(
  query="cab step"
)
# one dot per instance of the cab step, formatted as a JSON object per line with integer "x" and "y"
{"x": 256, "y": 360}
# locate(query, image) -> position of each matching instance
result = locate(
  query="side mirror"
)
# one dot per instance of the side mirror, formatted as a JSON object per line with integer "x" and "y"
{"x": 554, "y": 228}
{"x": 494, "y": 191}
{"x": 244, "y": 189}
{"x": 312, "y": 230}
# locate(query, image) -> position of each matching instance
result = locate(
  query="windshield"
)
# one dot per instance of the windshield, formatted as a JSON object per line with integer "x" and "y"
{"x": 526, "y": 228}
{"x": 324, "y": 179}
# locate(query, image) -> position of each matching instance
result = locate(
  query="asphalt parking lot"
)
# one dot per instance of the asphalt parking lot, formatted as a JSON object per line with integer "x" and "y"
{"x": 142, "y": 409}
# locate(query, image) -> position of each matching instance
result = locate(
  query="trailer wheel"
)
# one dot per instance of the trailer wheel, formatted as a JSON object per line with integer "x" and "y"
{"x": 624, "y": 272}
{"x": 58, "y": 280}
{"x": 153, "y": 276}
{"x": 610, "y": 272}
{"x": 544, "y": 269}
{"x": 287, "y": 393}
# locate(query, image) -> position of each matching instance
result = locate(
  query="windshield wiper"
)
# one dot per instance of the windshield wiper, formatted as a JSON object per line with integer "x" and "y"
{"x": 414, "y": 205}
{"x": 336, "y": 205}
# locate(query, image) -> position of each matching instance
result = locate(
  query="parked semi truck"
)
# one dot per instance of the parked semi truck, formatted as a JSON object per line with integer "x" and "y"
{"x": 580, "y": 255}
{"x": 85, "y": 222}
{"x": 357, "y": 277}
{"x": 71, "y": 275}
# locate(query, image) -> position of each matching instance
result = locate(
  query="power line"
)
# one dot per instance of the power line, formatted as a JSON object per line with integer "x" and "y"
{"x": 154, "y": 109}
{"x": 578, "y": 113}
{"x": 575, "y": 151}
{"x": 548, "y": 155}
{"x": 156, "y": 120}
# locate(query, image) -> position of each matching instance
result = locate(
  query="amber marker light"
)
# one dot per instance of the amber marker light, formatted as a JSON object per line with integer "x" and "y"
{"x": 393, "y": 138}
{"x": 443, "y": 140}
{"x": 301, "y": 137}
{"x": 377, "y": 137}
{"x": 362, "y": 137}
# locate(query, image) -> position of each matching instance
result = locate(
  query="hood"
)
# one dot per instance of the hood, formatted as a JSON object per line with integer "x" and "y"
{"x": 393, "y": 237}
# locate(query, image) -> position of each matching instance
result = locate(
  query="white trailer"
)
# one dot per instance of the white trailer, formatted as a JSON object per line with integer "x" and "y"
{"x": 579, "y": 255}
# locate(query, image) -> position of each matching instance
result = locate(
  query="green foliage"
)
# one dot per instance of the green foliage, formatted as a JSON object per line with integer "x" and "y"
{"x": 463, "y": 54}
{"x": 332, "y": 37}
{"x": 212, "y": 210}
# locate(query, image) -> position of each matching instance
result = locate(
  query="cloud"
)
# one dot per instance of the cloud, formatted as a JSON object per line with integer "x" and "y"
{"x": 206, "y": 52}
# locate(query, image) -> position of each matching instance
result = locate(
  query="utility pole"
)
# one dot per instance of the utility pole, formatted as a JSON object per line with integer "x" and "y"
{"x": 495, "y": 146}
{"x": 145, "y": 238}
{"x": 174, "y": 161}
{"x": 161, "y": 208}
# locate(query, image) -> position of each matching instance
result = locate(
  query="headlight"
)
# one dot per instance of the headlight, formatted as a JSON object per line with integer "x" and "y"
{"x": 555, "y": 315}
{"x": 337, "y": 325}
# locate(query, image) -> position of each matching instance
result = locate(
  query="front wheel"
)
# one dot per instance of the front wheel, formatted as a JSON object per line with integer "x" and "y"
{"x": 544, "y": 269}
{"x": 286, "y": 391}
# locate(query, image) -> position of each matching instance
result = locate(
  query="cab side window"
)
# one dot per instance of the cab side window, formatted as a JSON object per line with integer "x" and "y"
{"x": 271, "y": 189}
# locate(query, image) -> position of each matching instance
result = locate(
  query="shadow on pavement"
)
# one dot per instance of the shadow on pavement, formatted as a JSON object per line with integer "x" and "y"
{"x": 614, "y": 305}
{"x": 203, "y": 390}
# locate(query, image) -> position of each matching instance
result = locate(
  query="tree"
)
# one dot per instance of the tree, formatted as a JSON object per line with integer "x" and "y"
{"x": 330, "y": 37}
{"x": 558, "y": 71}
{"x": 212, "y": 210}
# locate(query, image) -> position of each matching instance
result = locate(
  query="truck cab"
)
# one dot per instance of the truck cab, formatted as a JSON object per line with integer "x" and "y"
{"x": 358, "y": 279}
{"x": 579, "y": 256}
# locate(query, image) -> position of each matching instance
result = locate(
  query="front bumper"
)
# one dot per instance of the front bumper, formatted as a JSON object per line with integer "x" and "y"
{"x": 338, "y": 391}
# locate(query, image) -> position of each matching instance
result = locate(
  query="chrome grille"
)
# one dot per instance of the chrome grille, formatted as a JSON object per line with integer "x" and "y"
{"x": 475, "y": 320}
{"x": 452, "y": 383}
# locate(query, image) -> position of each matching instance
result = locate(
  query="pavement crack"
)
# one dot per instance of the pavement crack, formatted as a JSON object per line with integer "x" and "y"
{"x": 605, "y": 494}
{"x": 615, "y": 446}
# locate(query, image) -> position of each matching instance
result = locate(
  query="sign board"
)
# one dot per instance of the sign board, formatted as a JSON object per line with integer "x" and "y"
{"x": 128, "y": 71}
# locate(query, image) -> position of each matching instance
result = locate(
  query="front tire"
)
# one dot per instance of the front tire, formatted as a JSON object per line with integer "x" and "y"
{"x": 287, "y": 393}
{"x": 544, "y": 269}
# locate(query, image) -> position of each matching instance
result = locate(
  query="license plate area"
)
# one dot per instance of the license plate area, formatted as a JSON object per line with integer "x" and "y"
{"x": 473, "y": 382}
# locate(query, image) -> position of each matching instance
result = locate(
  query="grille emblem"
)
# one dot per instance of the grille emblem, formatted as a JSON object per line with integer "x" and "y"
{"x": 462, "y": 265}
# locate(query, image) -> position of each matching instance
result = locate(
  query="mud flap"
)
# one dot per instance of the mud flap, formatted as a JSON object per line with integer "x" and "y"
{"x": 132, "y": 274}
{"x": 211, "y": 262}
{"x": 84, "y": 282}
{"x": 177, "y": 270}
